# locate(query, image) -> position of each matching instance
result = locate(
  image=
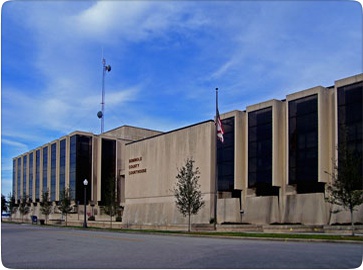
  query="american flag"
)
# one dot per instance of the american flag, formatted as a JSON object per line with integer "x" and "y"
{"x": 220, "y": 130}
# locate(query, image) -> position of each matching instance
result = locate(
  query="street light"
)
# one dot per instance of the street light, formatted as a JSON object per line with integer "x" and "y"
{"x": 85, "y": 183}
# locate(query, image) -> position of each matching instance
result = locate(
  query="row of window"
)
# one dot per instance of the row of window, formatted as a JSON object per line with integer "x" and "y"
{"x": 80, "y": 168}
{"x": 303, "y": 143}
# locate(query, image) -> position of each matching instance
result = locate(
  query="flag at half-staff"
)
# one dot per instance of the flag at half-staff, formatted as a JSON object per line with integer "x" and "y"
{"x": 219, "y": 133}
{"x": 220, "y": 130}
{"x": 219, "y": 126}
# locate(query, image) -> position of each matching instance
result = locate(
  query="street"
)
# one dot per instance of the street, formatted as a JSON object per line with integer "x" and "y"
{"x": 31, "y": 246}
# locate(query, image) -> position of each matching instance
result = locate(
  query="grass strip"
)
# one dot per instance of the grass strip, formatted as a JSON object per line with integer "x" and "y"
{"x": 306, "y": 236}
{"x": 252, "y": 235}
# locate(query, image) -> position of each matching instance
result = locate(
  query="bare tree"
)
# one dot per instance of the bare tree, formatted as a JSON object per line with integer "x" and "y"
{"x": 187, "y": 191}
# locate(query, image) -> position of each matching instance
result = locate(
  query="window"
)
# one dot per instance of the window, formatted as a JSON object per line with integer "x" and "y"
{"x": 62, "y": 165}
{"x": 37, "y": 174}
{"x": 80, "y": 166}
{"x": 225, "y": 157}
{"x": 18, "y": 193}
{"x": 260, "y": 152}
{"x": 31, "y": 175}
{"x": 25, "y": 164}
{"x": 14, "y": 177}
{"x": 53, "y": 166}
{"x": 303, "y": 145}
{"x": 84, "y": 166}
{"x": 350, "y": 116}
{"x": 108, "y": 166}
{"x": 45, "y": 168}
{"x": 72, "y": 166}
{"x": 260, "y": 147}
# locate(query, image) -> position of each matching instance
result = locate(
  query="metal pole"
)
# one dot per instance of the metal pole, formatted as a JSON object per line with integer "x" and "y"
{"x": 216, "y": 167}
{"x": 85, "y": 201}
{"x": 103, "y": 94}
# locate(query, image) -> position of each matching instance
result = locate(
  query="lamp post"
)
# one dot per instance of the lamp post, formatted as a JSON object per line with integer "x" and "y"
{"x": 85, "y": 183}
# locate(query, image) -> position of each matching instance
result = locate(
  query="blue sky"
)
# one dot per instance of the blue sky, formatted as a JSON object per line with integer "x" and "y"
{"x": 167, "y": 58}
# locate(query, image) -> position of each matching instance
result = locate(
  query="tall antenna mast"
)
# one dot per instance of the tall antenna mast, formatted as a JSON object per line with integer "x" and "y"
{"x": 101, "y": 114}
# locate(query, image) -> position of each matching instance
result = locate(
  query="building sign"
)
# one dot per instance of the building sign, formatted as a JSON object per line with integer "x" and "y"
{"x": 134, "y": 166}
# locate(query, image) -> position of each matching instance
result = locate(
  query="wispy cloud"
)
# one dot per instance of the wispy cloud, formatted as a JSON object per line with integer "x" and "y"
{"x": 16, "y": 144}
{"x": 116, "y": 21}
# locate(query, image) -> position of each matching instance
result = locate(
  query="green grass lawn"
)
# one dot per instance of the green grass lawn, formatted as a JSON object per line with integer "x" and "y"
{"x": 244, "y": 235}
{"x": 253, "y": 235}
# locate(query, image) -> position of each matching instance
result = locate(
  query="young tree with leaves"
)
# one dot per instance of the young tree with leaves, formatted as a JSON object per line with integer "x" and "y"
{"x": 346, "y": 189}
{"x": 188, "y": 197}
{"x": 4, "y": 205}
{"x": 23, "y": 206}
{"x": 46, "y": 205}
{"x": 111, "y": 205}
{"x": 65, "y": 202}
{"x": 11, "y": 204}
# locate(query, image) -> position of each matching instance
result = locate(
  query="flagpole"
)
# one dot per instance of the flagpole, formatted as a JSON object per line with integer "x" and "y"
{"x": 216, "y": 165}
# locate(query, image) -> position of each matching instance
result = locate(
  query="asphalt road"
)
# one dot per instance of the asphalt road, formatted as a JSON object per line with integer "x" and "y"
{"x": 31, "y": 246}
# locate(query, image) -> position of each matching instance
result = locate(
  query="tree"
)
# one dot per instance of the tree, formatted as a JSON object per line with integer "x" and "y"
{"x": 346, "y": 189}
{"x": 23, "y": 206}
{"x": 65, "y": 202}
{"x": 4, "y": 205}
{"x": 11, "y": 204}
{"x": 46, "y": 205}
{"x": 188, "y": 197}
{"x": 111, "y": 205}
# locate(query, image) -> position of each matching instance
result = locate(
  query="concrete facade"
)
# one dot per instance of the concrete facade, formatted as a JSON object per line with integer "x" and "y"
{"x": 152, "y": 166}
{"x": 147, "y": 162}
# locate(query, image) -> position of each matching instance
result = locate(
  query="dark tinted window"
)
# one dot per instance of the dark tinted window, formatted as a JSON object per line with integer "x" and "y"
{"x": 260, "y": 147}
{"x": 62, "y": 165}
{"x": 19, "y": 195}
{"x": 108, "y": 166}
{"x": 25, "y": 164}
{"x": 14, "y": 176}
{"x": 31, "y": 175}
{"x": 72, "y": 165}
{"x": 350, "y": 114}
{"x": 45, "y": 168}
{"x": 303, "y": 144}
{"x": 225, "y": 157}
{"x": 53, "y": 166}
{"x": 37, "y": 174}
{"x": 80, "y": 166}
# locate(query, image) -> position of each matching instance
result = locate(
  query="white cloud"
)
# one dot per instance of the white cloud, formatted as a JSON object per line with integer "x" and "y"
{"x": 113, "y": 21}
{"x": 121, "y": 96}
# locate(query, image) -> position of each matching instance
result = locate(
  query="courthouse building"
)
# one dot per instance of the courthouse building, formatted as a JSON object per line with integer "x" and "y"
{"x": 271, "y": 166}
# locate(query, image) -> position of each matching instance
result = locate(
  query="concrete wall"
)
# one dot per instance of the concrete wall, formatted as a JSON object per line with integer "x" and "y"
{"x": 151, "y": 169}
{"x": 130, "y": 133}
{"x": 228, "y": 210}
{"x": 261, "y": 210}
{"x": 339, "y": 215}
{"x": 308, "y": 209}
